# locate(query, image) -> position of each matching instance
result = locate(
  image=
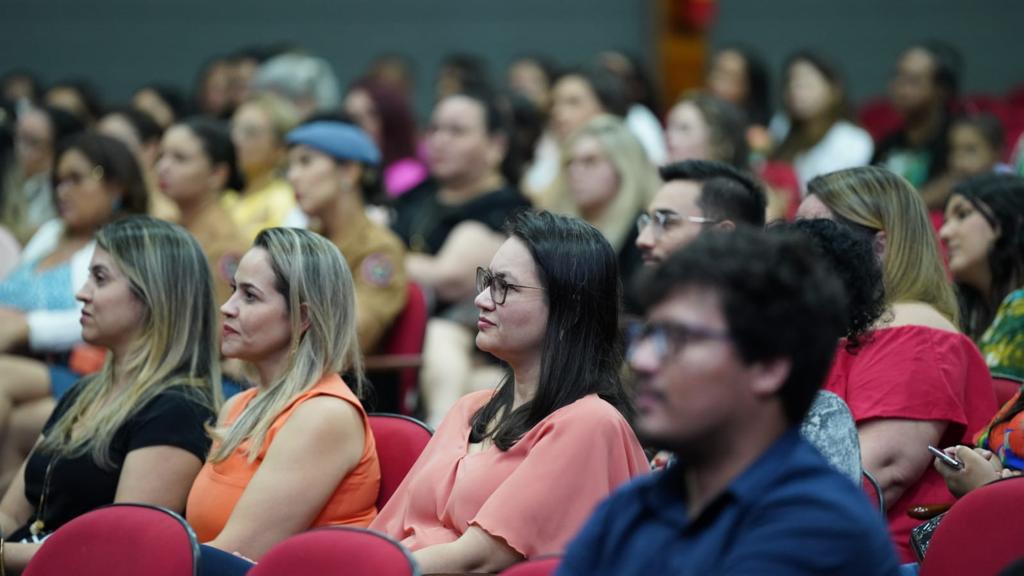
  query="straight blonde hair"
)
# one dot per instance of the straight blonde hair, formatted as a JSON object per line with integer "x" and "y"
{"x": 880, "y": 200}
{"x": 317, "y": 286}
{"x": 177, "y": 346}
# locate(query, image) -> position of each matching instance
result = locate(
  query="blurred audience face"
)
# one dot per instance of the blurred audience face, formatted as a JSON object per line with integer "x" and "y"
{"x": 18, "y": 87}
{"x": 359, "y": 106}
{"x": 808, "y": 94}
{"x": 513, "y": 331}
{"x": 728, "y": 77}
{"x": 33, "y": 142}
{"x": 70, "y": 100}
{"x": 913, "y": 89}
{"x": 215, "y": 89}
{"x": 315, "y": 178}
{"x": 241, "y": 72}
{"x": 969, "y": 238}
{"x": 112, "y": 316}
{"x": 526, "y": 77}
{"x": 84, "y": 199}
{"x": 184, "y": 171}
{"x": 256, "y": 326}
{"x": 675, "y": 221}
{"x": 970, "y": 153}
{"x": 258, "y": 148}
{"x": 459, "y": 148}
{"x": 687, "y": 383}
{"x": 687, "y": 133}
{"x": 151, "y": 103}
{"x": 574, "y": 103}
{"x": 592, "y": 177}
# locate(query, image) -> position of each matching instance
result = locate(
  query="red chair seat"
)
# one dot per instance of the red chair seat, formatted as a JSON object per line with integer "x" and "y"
{"x": 340, "y": 550}
{"x": 537, "y": 567}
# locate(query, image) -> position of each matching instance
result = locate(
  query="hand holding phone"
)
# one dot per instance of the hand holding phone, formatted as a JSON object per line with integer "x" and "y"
{"x": 946, "y": 458}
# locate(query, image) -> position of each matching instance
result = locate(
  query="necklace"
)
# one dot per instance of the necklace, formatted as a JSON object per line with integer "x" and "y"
{"x": 36, "y": 528}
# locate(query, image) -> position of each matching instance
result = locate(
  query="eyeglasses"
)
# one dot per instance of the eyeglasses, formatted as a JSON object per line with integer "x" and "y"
{"x": 499, "y": 288}
{"x": 662, "y": 221}
{"x": 668, "y": 338}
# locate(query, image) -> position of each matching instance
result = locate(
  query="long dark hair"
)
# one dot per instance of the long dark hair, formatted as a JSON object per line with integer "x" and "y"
{"x": 999, "y": 198}
{"x": 582, "y": 347}
{"x": 118, "y": 164}
{"x": 217, "y": 145}
{"x": 803, "y": 136}
{"x": 397, "y": 124}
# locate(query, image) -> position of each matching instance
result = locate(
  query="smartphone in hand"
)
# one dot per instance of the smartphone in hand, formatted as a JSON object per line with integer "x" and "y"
{"x": 946, "y": 458}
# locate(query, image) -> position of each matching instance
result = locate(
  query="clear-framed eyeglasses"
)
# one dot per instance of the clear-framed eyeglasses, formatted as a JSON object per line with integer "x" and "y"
{"x": 663, "y": 221}
{"x": 668, "y": 338}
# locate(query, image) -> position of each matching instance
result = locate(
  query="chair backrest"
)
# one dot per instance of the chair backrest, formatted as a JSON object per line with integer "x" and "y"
{"x": 544, "y": 566}
{"x": 337, "y": 550}
{"x": 405, "y": 339}
{"x": 1005, "y": 387}
{"x": 120, "y": 539}
{"x": 975, "y": 536}
{"x": 400, "y": 440}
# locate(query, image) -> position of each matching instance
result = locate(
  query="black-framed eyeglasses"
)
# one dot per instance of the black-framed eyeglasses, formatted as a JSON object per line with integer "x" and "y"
{"x": 668, "y": 338}
{"x": 662, "y": 221}
{"x": 499, "y": 287}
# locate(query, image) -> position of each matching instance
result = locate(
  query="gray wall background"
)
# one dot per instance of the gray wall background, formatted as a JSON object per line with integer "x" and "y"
{"x": 121, "y": 44}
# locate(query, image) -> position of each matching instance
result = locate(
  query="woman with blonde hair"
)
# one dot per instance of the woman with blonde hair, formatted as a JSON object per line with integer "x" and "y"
{"x": 608, "y": 182}
{"x": 296, "y": 451}
{"x": 135, "y": 431}
{"x": 916, "y": 377}
{"x": 258, "y": 128}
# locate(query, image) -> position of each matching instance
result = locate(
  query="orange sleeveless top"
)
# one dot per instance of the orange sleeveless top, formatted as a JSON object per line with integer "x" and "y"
{"x": 218, "y": 486}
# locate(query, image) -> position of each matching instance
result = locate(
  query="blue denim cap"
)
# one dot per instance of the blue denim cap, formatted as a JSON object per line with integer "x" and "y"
{"x": 337, "y": 139}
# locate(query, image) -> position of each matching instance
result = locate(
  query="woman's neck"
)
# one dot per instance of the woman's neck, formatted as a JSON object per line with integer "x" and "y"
{"x": 526, "y": 377}
{"x": 191, "y": 209}
{"x": 340, "y": 214}
{"x": 259, "y": 180}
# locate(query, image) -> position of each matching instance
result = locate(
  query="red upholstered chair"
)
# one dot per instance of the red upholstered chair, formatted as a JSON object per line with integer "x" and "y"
{"x": 1006, "y": 387}
{"x": 337, "y": 550}
{"x": 400, "y": 440}
{"x": 544, "y": 566}
{"x": 120, "y": 540}
{"x": 979, "y": 534}
{"x": 402, "y": 349}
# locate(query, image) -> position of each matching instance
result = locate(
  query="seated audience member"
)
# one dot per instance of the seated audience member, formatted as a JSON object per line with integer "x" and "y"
{"x": 331, "y": 166}
{"x": 462, "y": 72}
{"x": 77, "y": 97}
{"x": 577, "y": 97}
{"x": 295, "y": 452}
{"x": 28, "y": 196}
{"x": 513, "y": 473}
{"x": 135, "y": 431}
{"x": 211, "y": 94}
{"x": 641, "y": 101}
{"x": 984, "y": 231}
{"x": 196, "y": 165}
{"x": 258, "y": 128}
{"x": 165, "y": 104}
{"x": 141, "y": 133}
{"x": 385, "y": 115}
{"x": 704, "y": 127}
{"x": 976, "y": 145}
{"x": 97, "y": 180}
{"x": 307, "y": 81}
{"x": 532, "y": 76}
{"x": 19, "y": 85}
{"x": 924, "y": 86}
{"x": 829, "y": 425}
{"x": 739, "y": 76}
{"x": 395, "y": 70}
{"x": 916, "y": 353}
{"x": 697, "y": 195}
{"x": 724, "y": 381}
{"x": 816, "y": 135}
{"x": 609, "y": 181}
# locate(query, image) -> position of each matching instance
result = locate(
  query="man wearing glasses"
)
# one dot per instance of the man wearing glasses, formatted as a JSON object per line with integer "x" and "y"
{"x": 739, "y": 335}
{"x": 697, "y": 195}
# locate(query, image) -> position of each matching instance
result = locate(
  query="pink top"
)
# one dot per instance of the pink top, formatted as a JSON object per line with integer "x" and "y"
{"x": 535, "y": 497}
{"x": 403, "y": 175}
{"x": 917, "y": 373}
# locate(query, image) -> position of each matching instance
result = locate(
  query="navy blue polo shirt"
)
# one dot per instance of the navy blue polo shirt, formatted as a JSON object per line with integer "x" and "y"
{"x": 788, "y": 513}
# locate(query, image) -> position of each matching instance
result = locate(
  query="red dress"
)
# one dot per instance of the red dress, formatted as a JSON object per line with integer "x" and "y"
{"x": 917, "y": 373}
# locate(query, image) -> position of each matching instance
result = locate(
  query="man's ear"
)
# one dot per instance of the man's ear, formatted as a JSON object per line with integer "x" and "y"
{"x": 767, "y": 376}
{"x": 726, "y": 225}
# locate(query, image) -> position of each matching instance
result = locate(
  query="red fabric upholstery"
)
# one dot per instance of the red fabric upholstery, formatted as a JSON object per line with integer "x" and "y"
{"x": 340, "y": 550}
{"x": 400, "y": 440}
{"x": 405, "y": 338}
{"x": 978, "y": 535}
{"x": 120, "y": 539}
{"x": 879, "y": 118}
{"x": 536, "y": 567}
{"x": 1005, "y": 388}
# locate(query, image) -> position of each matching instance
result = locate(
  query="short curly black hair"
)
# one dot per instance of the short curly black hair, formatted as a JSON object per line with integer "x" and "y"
{"x": 778, "y": 297}
{"x": 851, "y": 257}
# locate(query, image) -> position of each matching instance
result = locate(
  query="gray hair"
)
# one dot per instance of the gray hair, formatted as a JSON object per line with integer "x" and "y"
{"x": 299, "y": 76}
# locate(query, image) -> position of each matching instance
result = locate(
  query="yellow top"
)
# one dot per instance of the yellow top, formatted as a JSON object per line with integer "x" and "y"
{"x": 258, "y": 209}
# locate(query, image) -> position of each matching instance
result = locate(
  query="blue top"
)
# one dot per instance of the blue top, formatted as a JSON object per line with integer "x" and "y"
{"x": 788, "y": 513}
{"x": 27, "y": 289}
